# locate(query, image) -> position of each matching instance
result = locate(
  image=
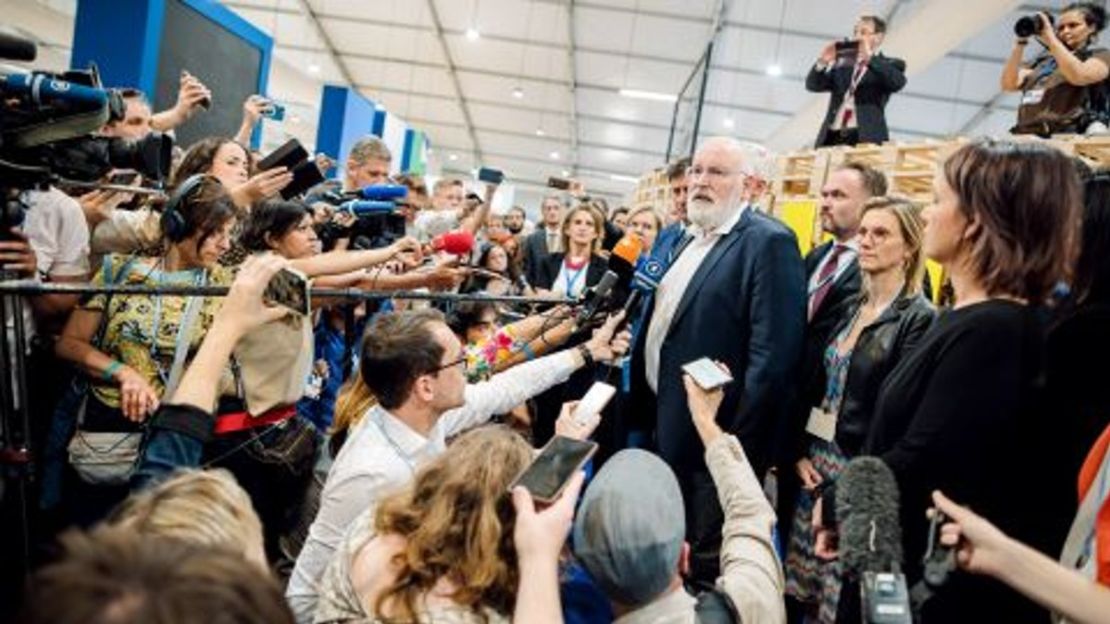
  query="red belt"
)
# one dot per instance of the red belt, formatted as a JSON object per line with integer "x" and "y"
{"x": 238, "y": 421}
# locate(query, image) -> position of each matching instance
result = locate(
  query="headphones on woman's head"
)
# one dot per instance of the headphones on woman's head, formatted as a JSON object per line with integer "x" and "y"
{"x": 173, "y": 222}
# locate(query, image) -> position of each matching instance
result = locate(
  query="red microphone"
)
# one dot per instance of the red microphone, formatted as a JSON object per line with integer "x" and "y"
{"x": 456, "y": 242}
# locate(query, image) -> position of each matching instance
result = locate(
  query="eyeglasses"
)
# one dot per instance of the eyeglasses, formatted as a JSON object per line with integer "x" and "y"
{"x": 461, "y": 361}
{"x": 714, "y": 173}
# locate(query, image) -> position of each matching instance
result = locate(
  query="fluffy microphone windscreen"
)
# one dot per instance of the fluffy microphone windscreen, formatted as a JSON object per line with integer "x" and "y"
{"x": 867, "y": 510}
{"x": 457, "y": 242}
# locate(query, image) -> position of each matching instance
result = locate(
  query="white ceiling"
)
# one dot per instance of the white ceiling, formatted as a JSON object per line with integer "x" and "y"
{"x": 570, "y": 57}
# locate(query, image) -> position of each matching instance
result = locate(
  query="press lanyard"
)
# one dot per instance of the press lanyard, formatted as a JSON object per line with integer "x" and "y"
{"x": 572, "y": 279}
{"x": 156, "y": 322}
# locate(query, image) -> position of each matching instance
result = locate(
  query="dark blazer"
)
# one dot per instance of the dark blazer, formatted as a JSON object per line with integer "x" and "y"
{"x": 884, "y": 75}
{"x": 880, "y": 346}
{"x": 744, "y": 306}
{"x": 535, "y": 251}
{"x": 550, "y": 265}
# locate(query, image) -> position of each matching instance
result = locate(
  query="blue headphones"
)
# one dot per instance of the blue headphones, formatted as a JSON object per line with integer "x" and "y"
{"x": 173, "y": 221}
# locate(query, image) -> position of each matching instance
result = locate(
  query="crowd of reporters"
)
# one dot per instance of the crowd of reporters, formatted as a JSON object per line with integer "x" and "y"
{"x": 227, "y": 458}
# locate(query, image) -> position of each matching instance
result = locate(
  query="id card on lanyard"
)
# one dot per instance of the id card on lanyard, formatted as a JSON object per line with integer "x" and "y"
{"x": 571, "y": 279}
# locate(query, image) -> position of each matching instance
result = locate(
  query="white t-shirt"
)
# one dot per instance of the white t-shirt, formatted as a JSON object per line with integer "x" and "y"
{"x": 56, "y": 228}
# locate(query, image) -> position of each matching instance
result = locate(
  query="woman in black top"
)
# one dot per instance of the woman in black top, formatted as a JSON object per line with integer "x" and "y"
{"x": 570, "y": 272}
{"x": 882, "y": 325}
{"x": 963, "y": 413}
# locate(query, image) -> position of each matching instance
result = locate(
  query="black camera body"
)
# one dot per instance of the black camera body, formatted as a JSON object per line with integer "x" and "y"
{"x": 47, "y": 126}
{"x": 1030, "y": 25}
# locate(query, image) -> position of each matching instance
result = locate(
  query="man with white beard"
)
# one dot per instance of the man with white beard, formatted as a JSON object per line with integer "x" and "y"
{"x": 734, "y": 293}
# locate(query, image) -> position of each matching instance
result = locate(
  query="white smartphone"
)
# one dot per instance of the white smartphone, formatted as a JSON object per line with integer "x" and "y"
{"x": 707, "y": 374}
{"x": 595, "y": 400}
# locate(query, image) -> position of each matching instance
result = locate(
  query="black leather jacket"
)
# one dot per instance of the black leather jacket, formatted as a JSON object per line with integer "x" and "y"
{"x": 880, "y": 346}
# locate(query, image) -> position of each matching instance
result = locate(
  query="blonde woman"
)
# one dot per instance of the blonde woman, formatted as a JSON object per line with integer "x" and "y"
{"x": 439, "y": 550}
{"x": 572, "y": 271}
{"x": 880, "y": 327}
{"x": 206, "y": 507}
{"x": 645, "y": 223}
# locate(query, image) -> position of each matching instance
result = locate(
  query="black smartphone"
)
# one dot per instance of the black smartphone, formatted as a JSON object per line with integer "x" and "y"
{"x": 846, "y": 52}
{"x": 305, "y": 176}
{"x": 550, "y": 472}
{"x": 558, "y": 183}
{"x": 289, "y": 288}
{"x": 490, "y": 175}
{"x": 288, "y": 155}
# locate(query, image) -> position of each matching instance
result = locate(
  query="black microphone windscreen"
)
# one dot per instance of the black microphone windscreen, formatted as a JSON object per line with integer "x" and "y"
{"x": 869, "y": 528}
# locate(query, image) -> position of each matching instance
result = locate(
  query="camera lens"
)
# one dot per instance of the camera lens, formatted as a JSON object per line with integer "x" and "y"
{"x": 1026, "y": 26}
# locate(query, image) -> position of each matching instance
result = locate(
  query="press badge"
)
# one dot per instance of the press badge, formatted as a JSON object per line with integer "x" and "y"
{"x": 822, "y": 424}
{"x": 1032, "y": 97}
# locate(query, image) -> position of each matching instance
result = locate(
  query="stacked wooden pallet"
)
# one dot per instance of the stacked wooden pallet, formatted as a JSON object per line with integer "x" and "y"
{"x": 653, "y": 190}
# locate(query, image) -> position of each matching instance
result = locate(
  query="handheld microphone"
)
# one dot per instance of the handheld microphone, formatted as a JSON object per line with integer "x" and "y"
{"x": 455, "y": 242}
{"x": 644, "y": 282}
{"x": 363, "y": 208}
{"x": 871, "y": 540}
{"x": 382, "y": 192}
{"x": 595, "y": 297}
{"x": 625, "y": 256}
{"x": 867, "y": 511}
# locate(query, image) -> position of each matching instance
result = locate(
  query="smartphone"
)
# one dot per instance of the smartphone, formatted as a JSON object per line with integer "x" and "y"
{"x": 550, "y": 472}
{"x": 305, "y": 176}
{"x": 289, "y": 155}
{"x": 289, "y": 288}
{"x": 124, "y": 178}
{"x": 846, "y": 52}
{"x": 490, "y": 175}
{"x": 206, "y": 103}
{"x": 595, "y": 400}
{"x": 558, "y": 183}
{"x": 706, "y": 373}
{"x": 274, "y": 111}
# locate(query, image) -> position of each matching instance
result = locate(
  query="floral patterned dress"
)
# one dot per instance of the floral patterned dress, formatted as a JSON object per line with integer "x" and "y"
{"x": 811, "y": 580}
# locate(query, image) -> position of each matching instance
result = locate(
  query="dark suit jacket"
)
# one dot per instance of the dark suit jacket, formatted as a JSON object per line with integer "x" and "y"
{"x": 550, "y": 265}
{"x": 535, "y": 251}
{"x": 834, "y": 307}
{"x": 744, "y": 306}
{"x": 884, "y": 75}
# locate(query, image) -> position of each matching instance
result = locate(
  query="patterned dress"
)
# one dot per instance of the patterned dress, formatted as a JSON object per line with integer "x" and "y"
{"x": 809, "y": 579}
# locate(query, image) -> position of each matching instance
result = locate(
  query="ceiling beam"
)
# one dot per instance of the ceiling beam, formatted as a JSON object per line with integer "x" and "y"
{"x": 437, "y": 25}
{"x": 541, "y": 185}
{"x": 572, "y": 73}
{"x": 340, "y": 64}
{"x": 553, "y": 164}
{"x": 921, "y": 39}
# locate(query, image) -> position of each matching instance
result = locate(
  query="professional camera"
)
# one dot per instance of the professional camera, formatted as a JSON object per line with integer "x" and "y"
{"x": 1029, "y": 25}
{"x": 378, "y": 221}
{"x": 47, "y": 123}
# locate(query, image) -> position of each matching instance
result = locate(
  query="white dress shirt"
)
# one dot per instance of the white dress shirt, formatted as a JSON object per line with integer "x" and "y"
{"x": 672, "y": 288}
{"x": 843, "y": 261}
{"x": 383, "y": 453}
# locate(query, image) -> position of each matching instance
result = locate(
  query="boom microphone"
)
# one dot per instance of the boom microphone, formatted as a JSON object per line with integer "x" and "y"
{"x": 363, "y": 207}
{"x": 867, "y": 513}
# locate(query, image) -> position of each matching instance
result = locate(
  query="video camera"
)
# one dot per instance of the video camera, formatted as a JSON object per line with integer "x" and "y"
{"x": 378, "y": 220}
{"x": 47, "y": 123}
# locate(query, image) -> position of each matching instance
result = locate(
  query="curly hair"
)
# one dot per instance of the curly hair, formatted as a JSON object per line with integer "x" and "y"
{"x": 457, "y": 520}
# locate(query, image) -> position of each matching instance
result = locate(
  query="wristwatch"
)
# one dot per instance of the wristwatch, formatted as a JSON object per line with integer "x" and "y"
{"x": 587, "y": 357}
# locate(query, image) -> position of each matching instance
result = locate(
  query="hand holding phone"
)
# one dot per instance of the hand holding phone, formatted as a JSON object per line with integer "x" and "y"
{"x": 555, "y": 466}
{"x": 595, "y": 400}
{"x": 707, "y": 374}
